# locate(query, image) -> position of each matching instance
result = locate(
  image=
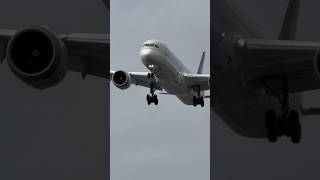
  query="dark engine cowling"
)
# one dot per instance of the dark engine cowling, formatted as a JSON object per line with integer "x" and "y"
{"x": 121, "y": 80}
{"x": 38, "y": 57}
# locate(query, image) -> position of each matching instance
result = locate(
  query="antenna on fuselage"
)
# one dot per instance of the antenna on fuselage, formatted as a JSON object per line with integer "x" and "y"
{"x": 200, "y": 68}
{"x": 290, "y": 23}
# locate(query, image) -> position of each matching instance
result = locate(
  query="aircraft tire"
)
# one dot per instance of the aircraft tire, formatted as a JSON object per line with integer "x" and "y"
{"x": 271, "y": 123}
{"x": 202, "y": 102}
{"x": 155, "y": 100}
{"x": 294, "y": 126}
{"x": 195, "y": 101}
{"x": 272, "y": 137}
{"x": 148, "y": 99}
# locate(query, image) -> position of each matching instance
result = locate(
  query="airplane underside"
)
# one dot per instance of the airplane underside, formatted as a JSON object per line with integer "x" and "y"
{"x": 251, "y": 111}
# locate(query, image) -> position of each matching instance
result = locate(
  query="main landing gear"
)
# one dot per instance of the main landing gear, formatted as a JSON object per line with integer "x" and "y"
{"x": 152, "y": 98}
{"x": 150, "y": 75}
{"x": 198, "y": 99}
{"x": 288, "y": 123}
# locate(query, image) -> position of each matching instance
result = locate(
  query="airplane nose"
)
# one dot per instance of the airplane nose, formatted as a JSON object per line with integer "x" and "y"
{"x": 144, "y": 52}
{"x": 150, "y": 56}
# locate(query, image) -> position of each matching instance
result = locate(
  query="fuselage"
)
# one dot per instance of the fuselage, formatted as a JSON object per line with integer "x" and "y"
{"x": 167, "y": 68}
{"x": 242, "y": 105}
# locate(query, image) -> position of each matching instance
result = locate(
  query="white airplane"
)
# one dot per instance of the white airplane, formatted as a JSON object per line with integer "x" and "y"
{"x": 166, "y": 73}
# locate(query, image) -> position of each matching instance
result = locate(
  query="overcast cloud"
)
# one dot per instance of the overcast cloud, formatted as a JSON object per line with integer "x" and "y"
{"x": 169, "y": 141}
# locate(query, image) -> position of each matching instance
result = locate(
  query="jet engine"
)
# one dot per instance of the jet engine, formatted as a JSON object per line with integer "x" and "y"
{"x": 121, "y": 80}
{"x": 38, "y": 57}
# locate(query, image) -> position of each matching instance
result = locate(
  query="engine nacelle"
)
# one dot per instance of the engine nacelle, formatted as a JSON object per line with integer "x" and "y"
{"x": 121, "y": 80}
{"x": 38, "y": 57}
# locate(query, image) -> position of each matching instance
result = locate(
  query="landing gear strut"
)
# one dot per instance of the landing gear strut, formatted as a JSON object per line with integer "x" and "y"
{"x": 152, "y": 98}
{"x": 288, "y": 123}
{"x": 198, "y": 99}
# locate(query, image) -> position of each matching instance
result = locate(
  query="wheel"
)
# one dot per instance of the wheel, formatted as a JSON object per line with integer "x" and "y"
{"x": 151, "y": 75}
{"x": 271, "y": 120}
{"x": 296, "y": 137}
{"x": 155, "y": 100}
{"x": 202, "y": 102}
{"x": 148, "y": 75}
{"x": 272, "y": 137}
{"x": 271, "y": 124}
{"x": 194, "y": 101}
{"x": 148, "y": 99}
{"x": 294, "y": 126}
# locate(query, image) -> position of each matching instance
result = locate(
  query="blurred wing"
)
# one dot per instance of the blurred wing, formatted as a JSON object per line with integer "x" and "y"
{"x": 88, "y": 53}
{"x": 270, "y": 59}
{"x": 201, "y": 80}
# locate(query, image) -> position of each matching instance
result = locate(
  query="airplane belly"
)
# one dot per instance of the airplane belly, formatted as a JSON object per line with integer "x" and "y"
{"x": 247, "y": 119}
{"x": 169, "y": 79}
{"x": 240, "y": 106}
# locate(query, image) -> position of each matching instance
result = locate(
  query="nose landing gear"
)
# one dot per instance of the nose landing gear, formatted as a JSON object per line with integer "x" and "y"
{"x": 152, "y": 98}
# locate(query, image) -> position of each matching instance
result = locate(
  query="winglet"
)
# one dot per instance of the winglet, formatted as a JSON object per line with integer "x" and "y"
{"x": 200, "y": 68}
{"x": 289, "y": 26}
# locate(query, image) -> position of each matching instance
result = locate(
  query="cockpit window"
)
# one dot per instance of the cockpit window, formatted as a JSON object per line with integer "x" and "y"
{"x": 150, "y": 45}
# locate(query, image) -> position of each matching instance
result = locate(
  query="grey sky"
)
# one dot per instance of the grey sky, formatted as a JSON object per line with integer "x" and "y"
{"x": 169, "y": 141}
{"x": 58, "y": 132}
{"x": 236, "y": 157}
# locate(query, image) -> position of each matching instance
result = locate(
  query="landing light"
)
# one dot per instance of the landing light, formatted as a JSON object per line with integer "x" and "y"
{"x": 151, "y": 66}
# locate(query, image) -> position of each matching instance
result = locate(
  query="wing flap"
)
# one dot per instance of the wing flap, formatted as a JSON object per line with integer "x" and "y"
{"x": 89, "y": 53}
{"x": 270, "y": 59}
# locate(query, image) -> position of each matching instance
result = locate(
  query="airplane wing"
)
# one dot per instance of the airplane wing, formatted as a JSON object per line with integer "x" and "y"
{"x": 201, "y": 80}
{"x": 270, "y": 59}
{"x": 88, "y": 53}
{"x": 141, "y": 79}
